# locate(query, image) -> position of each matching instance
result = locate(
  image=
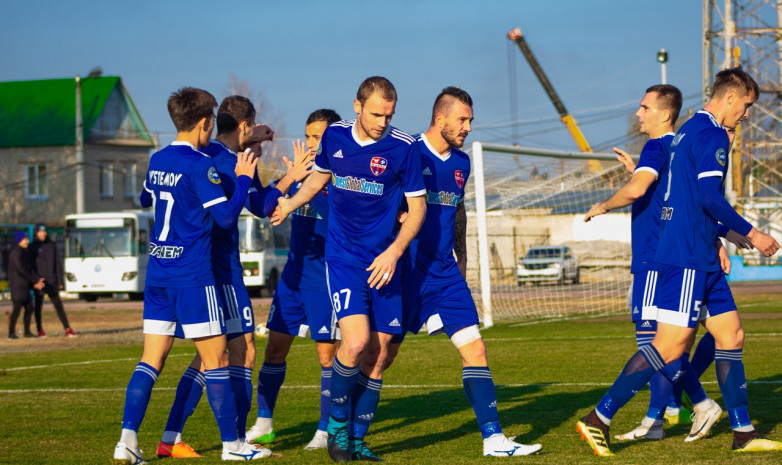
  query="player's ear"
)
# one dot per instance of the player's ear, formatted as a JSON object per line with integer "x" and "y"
{"x": 356, "y": 106}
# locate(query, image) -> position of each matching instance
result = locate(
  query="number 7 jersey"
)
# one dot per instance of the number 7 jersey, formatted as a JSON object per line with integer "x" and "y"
{"x": 183, "y": 183}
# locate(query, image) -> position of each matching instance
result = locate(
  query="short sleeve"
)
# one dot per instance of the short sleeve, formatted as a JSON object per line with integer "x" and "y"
{"x": 712, "y": 152}
{"x": 321, "y": 158}
{"x": 412, "y": 179}
{"x": 653, "y": 158}
{"x": 207, "y": 183}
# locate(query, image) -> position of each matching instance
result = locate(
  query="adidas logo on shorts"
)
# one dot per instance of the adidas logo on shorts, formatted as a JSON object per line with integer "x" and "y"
{"x": 338, "y": 154}
{"x": 323, "y": 330}
{"x": 394, "y": 323}
{"x": 427, "y": 171}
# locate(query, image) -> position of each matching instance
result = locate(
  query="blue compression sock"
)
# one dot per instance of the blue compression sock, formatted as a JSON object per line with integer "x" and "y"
{"x": 325, "y": 397}
{"x": 242, "y": 386}
{"x": 636, "y": 373}
{"x": 343, "y": 381}
{"x": 364, "y": 400}
{"x": 137, "y": 395}
{"x": 480, "y": 391}
{"x": 221, "y": 399}
{"x": 270, "y": 379}
{"x": 703, "y": 355}
{"x": 733, "y": 384}
{"x": 188, "y": 395}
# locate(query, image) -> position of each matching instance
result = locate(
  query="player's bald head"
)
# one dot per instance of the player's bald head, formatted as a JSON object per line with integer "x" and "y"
{"x": 376, "y": 84}
{"x": 444, "y": 102}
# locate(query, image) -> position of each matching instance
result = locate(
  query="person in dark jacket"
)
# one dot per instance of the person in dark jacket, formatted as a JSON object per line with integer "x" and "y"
{"x": 21, "y": 279}
{"x": 47, "y": 266}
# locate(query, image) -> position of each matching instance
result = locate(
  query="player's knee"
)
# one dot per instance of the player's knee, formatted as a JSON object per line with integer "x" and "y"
{"x": 391, "y": 354}
{"x": 354, "y": 349}
{"x": 730, "y": 340}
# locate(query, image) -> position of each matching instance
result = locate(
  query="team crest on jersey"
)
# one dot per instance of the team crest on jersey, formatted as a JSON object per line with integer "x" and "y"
{"x": 319, "y": 149}
{"x": 459, "y": 175}
{"x": 213, "y": 176}
{"x": 378, "y": 165}
{"x": 722, "y": 156}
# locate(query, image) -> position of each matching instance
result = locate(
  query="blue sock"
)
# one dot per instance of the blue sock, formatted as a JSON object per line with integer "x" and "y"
{"x": 188, "y": 394}
{"x": 733, "y": 384}
{"x": 636, "y": 373}
{"x": 325, "y": 397}
{"x": 364, "y": 400}
{"x": 221, "y": 399}
{"x": 479, "y": 388}
{"x": 242, "y": 386}
{"x": 137, "y": 395}
{"x": 343, "y": 381}
{"x": 660, "y": 388}
{"x": 270, "y": 379}
{"x": 703, "y": 355}
{"x": 680, "y": 371}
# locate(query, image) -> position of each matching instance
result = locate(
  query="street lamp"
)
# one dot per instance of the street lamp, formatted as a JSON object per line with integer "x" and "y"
{"x": 662, "y": 57}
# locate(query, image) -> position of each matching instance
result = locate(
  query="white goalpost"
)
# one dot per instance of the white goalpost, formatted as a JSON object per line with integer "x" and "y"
{"x": 523, "y": 198}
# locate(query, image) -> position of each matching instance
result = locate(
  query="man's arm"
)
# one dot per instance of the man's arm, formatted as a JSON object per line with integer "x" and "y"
{"x": 460, "y": 238}
{"x": 314, "y": 183}
{"x": 384, "y": 265}
{"x": 625, "y": 159}
{"x": 629, "y": 193}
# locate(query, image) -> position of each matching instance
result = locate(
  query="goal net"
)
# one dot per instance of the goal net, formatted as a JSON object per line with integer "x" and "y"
{"x": 530, "y": 253}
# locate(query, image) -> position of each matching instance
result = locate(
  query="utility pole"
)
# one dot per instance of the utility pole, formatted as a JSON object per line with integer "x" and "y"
{"x": 79, "y": 150}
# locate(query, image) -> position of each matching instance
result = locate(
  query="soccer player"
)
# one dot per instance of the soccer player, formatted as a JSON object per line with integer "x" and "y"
{"x": 300, "y": 302}
{"x": 690, "y": 285}
{"x": 434, "y": 290}
{"x": 188, "y": 199}
{"x": 371, "y": 167}
{"x": 236, "y": 130}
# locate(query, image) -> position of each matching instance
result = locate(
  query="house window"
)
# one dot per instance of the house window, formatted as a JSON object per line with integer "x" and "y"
{"x": 35, "y": 182}
{"x": 106, "y": 180}
{"x": 131, "y": 180}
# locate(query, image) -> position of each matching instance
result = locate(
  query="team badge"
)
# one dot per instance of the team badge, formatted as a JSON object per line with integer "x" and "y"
{"x": 722, "y": 157}
{"x": 378, "y": 165}
{"x": 213, "y": 176}
{"x": 459, "y": 178}
{"x": 320, "y": 146}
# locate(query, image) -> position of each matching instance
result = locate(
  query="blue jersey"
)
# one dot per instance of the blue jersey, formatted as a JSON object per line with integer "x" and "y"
{"x": 226, "y": 263}
{"x": 430, "y": 257}
{"x": 306, "y": 265}
{"x": 183, "y": 183}
{"x": 646, "y": 210}
{"x": 688, "y": 233}
{"x": 368, "y": 180}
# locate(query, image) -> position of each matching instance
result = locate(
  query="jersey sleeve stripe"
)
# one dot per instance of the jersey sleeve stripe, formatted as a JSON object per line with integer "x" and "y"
{"x": 648, "y": 169}
{"x": 416, "y": 193}
{"x": 215, "y": 201}
{"x": 321, "y": 170}
{"x": 402, "y": 136}
{"x": 707, "y": 174}
{"x": 147, "y": 188}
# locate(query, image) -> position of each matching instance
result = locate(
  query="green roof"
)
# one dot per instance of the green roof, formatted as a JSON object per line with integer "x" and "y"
{"x": 43, "y": 113}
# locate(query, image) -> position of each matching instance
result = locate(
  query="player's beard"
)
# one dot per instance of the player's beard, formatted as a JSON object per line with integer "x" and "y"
{"x": 452, "y": 140}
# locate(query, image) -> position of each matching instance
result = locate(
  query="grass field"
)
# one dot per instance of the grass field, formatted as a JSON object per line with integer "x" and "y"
{"x": 62, "y": 402}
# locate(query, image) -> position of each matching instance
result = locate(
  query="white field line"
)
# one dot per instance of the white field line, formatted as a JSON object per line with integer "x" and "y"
{"x": 389, "y": 386}
{"x": 407, "y": 340}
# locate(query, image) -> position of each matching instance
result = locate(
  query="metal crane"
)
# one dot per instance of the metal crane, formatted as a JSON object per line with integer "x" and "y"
{"x": 564, "y": 116}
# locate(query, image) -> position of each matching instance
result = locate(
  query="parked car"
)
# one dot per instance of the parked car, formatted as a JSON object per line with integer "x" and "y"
{"x": 548, "y": 263}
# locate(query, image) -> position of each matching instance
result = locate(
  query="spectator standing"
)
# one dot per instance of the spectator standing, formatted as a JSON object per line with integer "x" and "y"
{"x": 21, "y": 279}
{"x": 47, "y": 266}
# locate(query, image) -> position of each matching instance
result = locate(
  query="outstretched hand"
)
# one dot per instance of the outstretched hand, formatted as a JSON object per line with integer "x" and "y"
{"x": 246, "y": 164}
{"x": 595, "y": 210}
{"x": 626, "y": 159}
{"x": 303, "y": 160}
{"x": 281, "y": 212}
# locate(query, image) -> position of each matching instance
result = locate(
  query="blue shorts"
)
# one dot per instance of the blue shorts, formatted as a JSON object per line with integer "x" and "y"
{"x": 238, "y": 309}
{"x": 197, "y": 309}
{"x": 686, "y": 296}
{"x": 351, "y": 295}
{"x": 294, "y": 311}
{"x": 446, "y": 308}
{"x": 644, "y": 313}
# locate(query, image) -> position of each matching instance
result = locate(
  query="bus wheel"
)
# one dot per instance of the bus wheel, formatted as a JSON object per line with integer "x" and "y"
{"x": 88, "y": 297}
{"x": 136, "y": 295}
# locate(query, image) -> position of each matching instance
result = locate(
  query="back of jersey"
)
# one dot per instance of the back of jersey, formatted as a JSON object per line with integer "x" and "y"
{"x": 688, "y": 233}
{"x": 183, "y": 184}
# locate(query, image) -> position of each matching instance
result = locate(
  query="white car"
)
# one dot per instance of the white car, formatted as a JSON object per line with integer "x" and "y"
{"x": 548, "y": 263}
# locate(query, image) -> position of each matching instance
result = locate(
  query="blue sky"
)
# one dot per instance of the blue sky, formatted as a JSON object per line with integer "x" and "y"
{"x": 598, "y": 54}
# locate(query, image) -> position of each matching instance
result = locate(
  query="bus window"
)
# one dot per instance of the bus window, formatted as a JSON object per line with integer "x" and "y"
{"x": 99, "y": 241}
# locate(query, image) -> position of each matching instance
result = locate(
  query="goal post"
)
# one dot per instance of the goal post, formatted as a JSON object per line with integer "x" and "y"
{"x": 544, "y": 193}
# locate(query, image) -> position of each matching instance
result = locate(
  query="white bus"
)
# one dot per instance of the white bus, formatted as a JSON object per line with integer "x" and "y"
{"x": 106, "y": 253}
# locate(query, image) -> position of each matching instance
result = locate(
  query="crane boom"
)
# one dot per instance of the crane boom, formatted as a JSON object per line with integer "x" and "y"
{"x": 564, "y": 116}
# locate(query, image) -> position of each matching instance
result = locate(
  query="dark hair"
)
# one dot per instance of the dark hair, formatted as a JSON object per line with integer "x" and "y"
{"x": 669, "y": 98}
{"x": 734, "y": 78}
{"x": 376, "y": 84}
{"x": 188, "y": 105}
{"x": 444, "y": 102}
{"x": 324, "y": 114}
{"x": 233, "y": 110}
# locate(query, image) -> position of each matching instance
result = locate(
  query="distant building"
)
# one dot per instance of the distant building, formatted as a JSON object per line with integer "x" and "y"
{"x": 38, "y": 149}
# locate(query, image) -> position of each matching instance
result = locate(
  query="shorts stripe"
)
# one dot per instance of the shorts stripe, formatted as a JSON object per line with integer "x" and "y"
{"x": 231, "y": 303}
{"x": 685, "y": 298}
{"x": 214, "y": 308}
{"x": 333, "y": 329}
{"x": 649, "y": 289}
